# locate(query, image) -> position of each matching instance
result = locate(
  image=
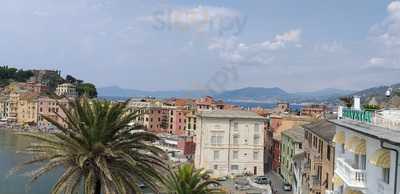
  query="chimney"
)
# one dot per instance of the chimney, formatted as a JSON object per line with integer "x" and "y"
{"x": 356, "y": 103}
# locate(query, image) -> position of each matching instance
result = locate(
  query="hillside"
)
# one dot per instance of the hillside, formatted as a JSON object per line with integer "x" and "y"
{"x": 248, "y": 94}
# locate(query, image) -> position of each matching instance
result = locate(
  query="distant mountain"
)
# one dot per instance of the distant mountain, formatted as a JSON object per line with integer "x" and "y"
{"x": 327, "y": 92}
{"x": 115, "y": 91}
{"x": 378, "y": 93}
{"x": 248, "y": 94}
{"x": 253, "y": 93}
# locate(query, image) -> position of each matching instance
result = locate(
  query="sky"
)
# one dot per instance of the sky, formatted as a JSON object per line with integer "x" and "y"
{"x": 214, "y": 45}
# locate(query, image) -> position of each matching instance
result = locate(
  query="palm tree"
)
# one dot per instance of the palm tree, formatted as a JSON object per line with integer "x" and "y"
{"x": 187, "y": 180}
{"x": 97, "y": 152}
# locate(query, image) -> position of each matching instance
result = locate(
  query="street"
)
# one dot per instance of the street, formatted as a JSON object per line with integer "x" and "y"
{"x": 276, "y": 184}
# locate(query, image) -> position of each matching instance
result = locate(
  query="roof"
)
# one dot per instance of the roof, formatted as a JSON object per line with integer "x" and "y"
{"x": 297, "y": 134}
{"x": 323, "y": 128}
{"x": 237, "y": 114}
{"x": 390, "y": 135}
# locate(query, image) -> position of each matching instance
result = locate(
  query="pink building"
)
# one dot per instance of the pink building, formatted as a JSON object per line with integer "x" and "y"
{"x": 50, "y": 108}
{"x": 177, "y": 122}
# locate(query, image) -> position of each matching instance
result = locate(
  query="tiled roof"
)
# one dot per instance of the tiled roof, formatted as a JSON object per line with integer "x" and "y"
{"x": 323, "y": 128}
{"x": 230, "y": 114}
{"x": 297, "y": 134}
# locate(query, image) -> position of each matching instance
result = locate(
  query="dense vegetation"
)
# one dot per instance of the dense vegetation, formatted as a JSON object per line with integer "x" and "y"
{"x": 9, "y": 74}
{"x": 87, "y": 89}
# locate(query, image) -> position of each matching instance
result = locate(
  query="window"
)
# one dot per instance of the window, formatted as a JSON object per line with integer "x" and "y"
{"x": 236, "y": 126}
{"x": 235, "y": 139}
{"x": 256, "y": 156}
{"x": 216, "y": 138}
{"x": 328, "y": 152}
{"x": 386, "y": 175}
{"x": 216, "y": 155}
{"x": 342, "y": 148}
{"x": 215, "y": 167}
{"x": 256, "y": 139}
{"x": 235, "y": 155}
{"x": 300, "y": 146}
{"x": 234, "y": 167}
{"x": 257, "y": 128}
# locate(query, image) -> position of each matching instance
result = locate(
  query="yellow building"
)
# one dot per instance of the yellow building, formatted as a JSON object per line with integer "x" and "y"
{"x": 27, "y": 109}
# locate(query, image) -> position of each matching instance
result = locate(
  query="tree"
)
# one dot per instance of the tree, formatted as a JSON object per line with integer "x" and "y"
{"x": 87, "y": 89}
{"x": 97, "y": 151}
{"x": 187, "y": 180}
{"x": 347, "y": 100}
{"x": 72, "y": 80}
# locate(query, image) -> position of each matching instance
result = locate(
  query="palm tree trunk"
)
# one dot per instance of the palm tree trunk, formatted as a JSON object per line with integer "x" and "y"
{"x": 98, "y": 187}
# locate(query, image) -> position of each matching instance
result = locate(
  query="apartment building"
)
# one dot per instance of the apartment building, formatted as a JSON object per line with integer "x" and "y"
{"x": 67, "y": 90}
{"x": 291, "y": 145}
{"x": 27, "y": 109}
{"x": 230, "y": 142}
{"x": 314, "y": 110}
{"x": 367, "y": 151}
{"x": 319, "y": 155}
{"x": 50, "y": 107}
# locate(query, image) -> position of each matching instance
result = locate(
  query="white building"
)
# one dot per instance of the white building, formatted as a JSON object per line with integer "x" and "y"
{"x": 230, "y": 142}
{"x": 367, "y": 151}
{"x": 66, "y": 89}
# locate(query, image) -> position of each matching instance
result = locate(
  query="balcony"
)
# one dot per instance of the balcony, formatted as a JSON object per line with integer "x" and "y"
{"x": 352, "y": 177}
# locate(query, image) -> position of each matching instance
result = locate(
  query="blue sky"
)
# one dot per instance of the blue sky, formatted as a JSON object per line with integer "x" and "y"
{"x": 214, "y": 45}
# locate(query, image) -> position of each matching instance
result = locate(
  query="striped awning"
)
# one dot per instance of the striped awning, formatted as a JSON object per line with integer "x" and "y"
{"x": 351, "y": 142}
{"x": 381, "y": 158}
{"x": 337, "y": 181}
{"x": 339, "y": 137}
{"x": 359, "y": 147}
{"x": 351, "y": 191}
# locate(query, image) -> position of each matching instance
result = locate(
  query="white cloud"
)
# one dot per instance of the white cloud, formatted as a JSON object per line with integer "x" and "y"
{"x": 233, "y": 51}
{"x": 376, "y": 61}
{"x": 201, "y": 19}
{"x": 281, "y": 40}
{"x": 388, "y": 31}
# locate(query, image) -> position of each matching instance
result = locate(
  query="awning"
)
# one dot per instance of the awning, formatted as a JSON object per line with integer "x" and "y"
{"x": 351, "y": 191}
{"x": 360, "y": 147}
{"x": 337, "y": 181}
{"x": 351, "y": 142}
{"x": 381, "y": 158}
{"x": 339, "y": 137}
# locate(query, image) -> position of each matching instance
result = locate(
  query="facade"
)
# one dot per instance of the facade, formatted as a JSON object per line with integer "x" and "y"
{"x": 67, "y": 90}
{"x": 27, "y": 110}
{"x": 50, "y": 107}
{"x": 230, "y": 142}
{"x": 367, "y": 148}
{"x": 291, "y": 145}
{"x": 314, "y": 110}
{"x": 319, "y": 157}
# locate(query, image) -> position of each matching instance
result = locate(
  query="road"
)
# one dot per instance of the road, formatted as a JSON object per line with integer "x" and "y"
{"x": 277, "y": 184}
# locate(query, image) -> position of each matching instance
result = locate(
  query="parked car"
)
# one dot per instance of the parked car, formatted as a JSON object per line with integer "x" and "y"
{"x": 262, "y": 180}
{"x": 222, "y": 178}
{"x": 242, "y": 184}
{"x": 287, "y": 187}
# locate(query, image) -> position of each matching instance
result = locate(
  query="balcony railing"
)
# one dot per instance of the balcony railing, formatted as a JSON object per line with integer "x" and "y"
{"x": 352, "y": 177}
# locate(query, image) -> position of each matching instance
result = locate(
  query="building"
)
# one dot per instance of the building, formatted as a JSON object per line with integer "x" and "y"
{"x": 291, "y": 145}
{"x": 319, "y": 155}
{"x": 367, "y": 151}
{"x": 49, "y": 107}
{"x": 230, "y": 142}
{"x": 27, "y": 109}
{"x": 314, "y": 110}
{"x": 277, "y": 125}
{"x": 67, "y": 90}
